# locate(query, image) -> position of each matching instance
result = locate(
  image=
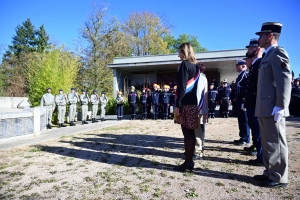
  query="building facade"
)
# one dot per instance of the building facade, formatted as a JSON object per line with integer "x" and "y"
{"x": 163, "y": 68}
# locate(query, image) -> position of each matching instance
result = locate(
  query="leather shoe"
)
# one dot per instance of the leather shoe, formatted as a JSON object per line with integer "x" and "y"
{"x": 255, "y": 162}
{"x": 260, "y": 177}
{"x": 272, "y": 184}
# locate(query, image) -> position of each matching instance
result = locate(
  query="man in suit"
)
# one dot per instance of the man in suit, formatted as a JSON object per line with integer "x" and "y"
{"x": 253, "y": 61}
{"x": 272, "y": 102}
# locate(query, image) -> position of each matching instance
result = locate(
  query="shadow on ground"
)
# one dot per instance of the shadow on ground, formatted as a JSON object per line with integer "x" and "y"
{"x": 137, "y": 150}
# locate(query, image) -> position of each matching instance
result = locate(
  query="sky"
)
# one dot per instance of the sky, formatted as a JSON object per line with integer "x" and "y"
{"x": 218, "y": 24}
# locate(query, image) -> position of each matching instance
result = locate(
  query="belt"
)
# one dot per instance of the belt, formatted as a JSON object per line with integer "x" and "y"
{"x": 62, "y": 105}
{"x": 84, "y": 104}
{"x": 143, "y": 101}
{"x": 212, "y": 99}
{"x": 132, "y": 101}
{"x": 225, "y": 97}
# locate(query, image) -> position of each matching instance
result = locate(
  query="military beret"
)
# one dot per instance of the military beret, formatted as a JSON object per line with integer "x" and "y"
{"x": 73, "y": 88}
{"x": 83, "y": 90}
{"x": 240, "y": 62}
{"x": 94, "y": 90}
{"x": 102, "y": 92}
{"x": 60, "y": 89}
{"x": 48, "y": 88}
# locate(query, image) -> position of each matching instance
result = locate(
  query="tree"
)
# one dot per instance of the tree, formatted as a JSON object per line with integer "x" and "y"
{"x": 56, "y": 69}
{"x": 173, "y": 43}
{"x": 145, "y": 32}
{"x": 13, "y": 72}
{"x": 42, "y": 39}
{"x": 105, "y": 41}
{"x": 27, "y": 39}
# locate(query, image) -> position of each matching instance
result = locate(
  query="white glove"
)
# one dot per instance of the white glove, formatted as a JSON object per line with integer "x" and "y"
{"x": 242, "y": 107}
{"x": 278, "y": 113}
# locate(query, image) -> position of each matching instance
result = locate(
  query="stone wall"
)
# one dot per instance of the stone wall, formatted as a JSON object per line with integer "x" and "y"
{"x": 11, "y": 102}
{"x": 25, "y": 122}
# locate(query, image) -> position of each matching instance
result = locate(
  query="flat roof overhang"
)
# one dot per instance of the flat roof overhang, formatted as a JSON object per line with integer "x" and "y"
{"x": 170, "y": 62}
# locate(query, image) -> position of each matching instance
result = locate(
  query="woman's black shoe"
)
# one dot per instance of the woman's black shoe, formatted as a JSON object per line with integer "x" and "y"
{"x": 184, "y": 166}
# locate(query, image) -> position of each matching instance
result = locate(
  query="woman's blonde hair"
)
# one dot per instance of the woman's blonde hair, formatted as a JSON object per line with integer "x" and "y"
{"x": 187, "y": 50}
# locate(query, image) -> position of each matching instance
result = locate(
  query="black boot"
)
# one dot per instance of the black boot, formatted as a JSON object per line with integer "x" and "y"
{"x": 103, "y": 119}
{"x": 85, "y": 122}
{"x": 82, "y": 122}
{"x": 59, "y": 125}
{"x": 71, "y": 123}
{"x": 93, "y": 120}
{"x": 49, "y": 126}
{"x": 226, "y": 116}
{"x": 62, "y": 125}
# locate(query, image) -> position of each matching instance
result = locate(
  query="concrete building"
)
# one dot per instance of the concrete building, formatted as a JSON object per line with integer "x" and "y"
{"x": 163, "y": 68}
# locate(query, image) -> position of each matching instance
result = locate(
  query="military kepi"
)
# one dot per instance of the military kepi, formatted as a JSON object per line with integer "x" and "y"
{"x": 270, "y": 27}
{"x": 253, "y": 43}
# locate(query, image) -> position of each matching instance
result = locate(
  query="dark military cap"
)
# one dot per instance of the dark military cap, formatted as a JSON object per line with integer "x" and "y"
{"x": 241, "y": 62}
{"x": 48, "y": 88}
{"x": 60, "y": 90}
{"x": 73, "y": 88}
{"x": 83, "y": 90}
{"x": 270, "y": 27}
{"x": 253, "y": 43}
{"x": 102, "y": 92}
{"x": 94, "y": 90}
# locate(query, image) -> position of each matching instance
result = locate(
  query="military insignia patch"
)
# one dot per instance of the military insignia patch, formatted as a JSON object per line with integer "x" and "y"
{"x": 283, "y": 65}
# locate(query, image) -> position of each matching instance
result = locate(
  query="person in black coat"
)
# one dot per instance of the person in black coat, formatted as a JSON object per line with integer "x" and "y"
{"x": 250, "y": 92}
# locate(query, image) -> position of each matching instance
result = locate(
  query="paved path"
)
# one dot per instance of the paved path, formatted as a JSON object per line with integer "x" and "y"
{"x": 9, "y": 143}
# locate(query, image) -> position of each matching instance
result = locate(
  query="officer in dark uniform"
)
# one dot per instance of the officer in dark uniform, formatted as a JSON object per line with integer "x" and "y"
{"x": 224, "y": 98}
{"x": 219, "y": 88}
{"x": 143, "y": 100}
{"x": 132, "y": 100}
{"x": 149, "y": 101}
{"x": 240, "y": 101}
{"x": 232, "y": 98}
{"x": 250, "y": 92}
{"x": 212, "y": 97}
{"x": 165, "y": 101}
{"x": 173, "y": 100}
{"x": 296, "y": 98}
{"x": 155, "y": 101}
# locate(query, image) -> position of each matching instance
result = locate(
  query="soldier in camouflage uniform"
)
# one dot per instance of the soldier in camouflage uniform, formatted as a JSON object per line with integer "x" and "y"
{"x": 95, "y": 102}
{"x": 84, "y": 98}
{"x": 103, "y": 101}
{"x": 61, "y": 100}
{"x": 73, "y": 99}
{"x": 47, "y": 101}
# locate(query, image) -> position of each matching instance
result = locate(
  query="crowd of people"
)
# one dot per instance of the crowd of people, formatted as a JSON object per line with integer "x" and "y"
{"x": 261, "y": 97}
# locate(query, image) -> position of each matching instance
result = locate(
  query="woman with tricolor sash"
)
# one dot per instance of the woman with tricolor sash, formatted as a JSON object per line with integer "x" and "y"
{"x": 187, "y": 102}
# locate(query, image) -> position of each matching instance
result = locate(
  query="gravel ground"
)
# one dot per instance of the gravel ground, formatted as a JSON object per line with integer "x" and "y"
{"x": 134, "y": 160}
